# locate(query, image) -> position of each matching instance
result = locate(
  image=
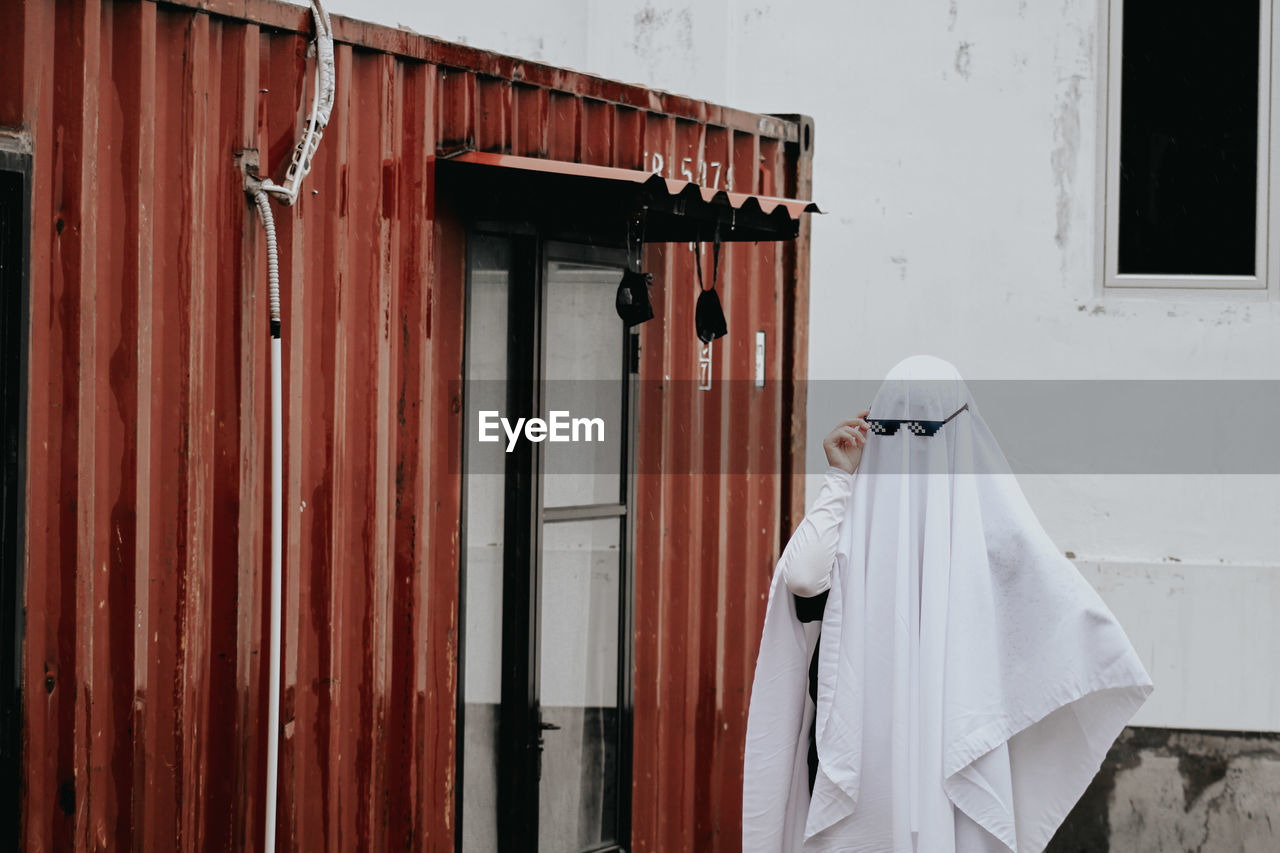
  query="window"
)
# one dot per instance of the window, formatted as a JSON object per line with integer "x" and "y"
{"x": 1188, "y": 134}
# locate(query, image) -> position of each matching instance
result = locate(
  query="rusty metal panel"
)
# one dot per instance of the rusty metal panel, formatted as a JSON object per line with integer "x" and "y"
{"x": 628, "y": 139}
{"x": 148, "y": 495}
{"x": 564, "y": 126}
{"x": 708, "y": 542}
{"x": 529, "y": 138}
{"x": 495, "y": 114}
{"x": 698, "y": 629}
{"x": 144, "y": 659}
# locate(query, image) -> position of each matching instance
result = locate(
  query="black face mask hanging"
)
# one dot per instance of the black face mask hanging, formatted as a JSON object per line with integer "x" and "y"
{"x": 708, "y": 316}
{"x": 632, "y": 301}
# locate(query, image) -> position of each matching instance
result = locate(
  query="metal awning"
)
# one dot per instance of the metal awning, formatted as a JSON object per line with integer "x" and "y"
{"x": 673, "y": 210}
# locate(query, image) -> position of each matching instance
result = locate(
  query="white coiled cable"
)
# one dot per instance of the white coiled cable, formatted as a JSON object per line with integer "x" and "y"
{"x": 321, "y": 108}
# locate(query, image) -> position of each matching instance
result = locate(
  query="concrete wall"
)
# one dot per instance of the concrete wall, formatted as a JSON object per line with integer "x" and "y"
{"x": 1162, "y": 790}
{"x": 958, "y": 150}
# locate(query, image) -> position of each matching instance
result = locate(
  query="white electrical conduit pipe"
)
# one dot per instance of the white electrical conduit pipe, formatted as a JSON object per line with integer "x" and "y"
{"x": 277, "y": 517}
{"x": 321, "y": 107}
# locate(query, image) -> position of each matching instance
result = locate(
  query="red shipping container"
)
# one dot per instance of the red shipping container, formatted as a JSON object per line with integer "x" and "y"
{"x": 144, "y": 544}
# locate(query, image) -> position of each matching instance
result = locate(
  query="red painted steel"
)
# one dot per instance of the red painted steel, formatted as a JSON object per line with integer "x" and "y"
{"x": 148, "y": 493}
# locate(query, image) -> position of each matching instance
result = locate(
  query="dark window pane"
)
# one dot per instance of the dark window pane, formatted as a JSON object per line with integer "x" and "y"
{"x": 1188, "y": 138}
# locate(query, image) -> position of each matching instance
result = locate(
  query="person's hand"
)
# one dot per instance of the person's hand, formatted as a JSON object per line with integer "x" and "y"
{"x": 844, "y": 443}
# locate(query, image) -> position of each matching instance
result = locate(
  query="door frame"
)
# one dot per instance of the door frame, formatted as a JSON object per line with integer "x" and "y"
{"x": 520, "y": 718}
{"x": 14, "y": 338}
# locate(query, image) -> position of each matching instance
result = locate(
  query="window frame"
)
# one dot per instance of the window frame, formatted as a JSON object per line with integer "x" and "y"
{"x": 1261, "y": 285}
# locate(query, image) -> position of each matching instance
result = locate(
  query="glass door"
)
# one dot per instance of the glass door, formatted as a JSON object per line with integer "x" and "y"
{"x": 544, "y": 708}
{"x": 583, "y": 528}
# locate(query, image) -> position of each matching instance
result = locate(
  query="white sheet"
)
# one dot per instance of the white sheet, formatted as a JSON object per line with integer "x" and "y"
{"x": 970, "y": 681}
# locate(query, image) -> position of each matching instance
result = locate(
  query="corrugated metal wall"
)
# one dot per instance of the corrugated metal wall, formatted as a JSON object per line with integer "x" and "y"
{"x": 147, "y": 503}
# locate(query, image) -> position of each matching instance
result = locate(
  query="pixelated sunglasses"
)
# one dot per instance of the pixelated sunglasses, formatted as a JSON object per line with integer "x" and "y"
{"x": 888, "y": 426}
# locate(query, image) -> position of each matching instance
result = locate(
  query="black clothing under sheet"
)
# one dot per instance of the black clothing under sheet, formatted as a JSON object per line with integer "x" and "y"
{"x": 810, "y": 609}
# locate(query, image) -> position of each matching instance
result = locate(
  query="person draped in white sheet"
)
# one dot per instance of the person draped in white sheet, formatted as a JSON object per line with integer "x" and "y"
{"x": 934, "y": 676}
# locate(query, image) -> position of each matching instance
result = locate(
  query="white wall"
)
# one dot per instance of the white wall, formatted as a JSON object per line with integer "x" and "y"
{"x": 956, "y": 150}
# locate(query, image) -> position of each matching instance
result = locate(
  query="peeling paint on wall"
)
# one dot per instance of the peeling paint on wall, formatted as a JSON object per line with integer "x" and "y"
{"x": 1062, "y": 159}
{"x": 962, "y": 59}
{"x": 901, "y": 263}
{"x": 662, "y": 35}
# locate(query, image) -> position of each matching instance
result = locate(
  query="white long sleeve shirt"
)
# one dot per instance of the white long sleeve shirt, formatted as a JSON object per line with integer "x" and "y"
{"x": 810, "y": 554}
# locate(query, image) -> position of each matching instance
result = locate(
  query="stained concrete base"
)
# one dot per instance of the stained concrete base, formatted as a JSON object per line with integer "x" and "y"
{"x": 1171, "y": 790}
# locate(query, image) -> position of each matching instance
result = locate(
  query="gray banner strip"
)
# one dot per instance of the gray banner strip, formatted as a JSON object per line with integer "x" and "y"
{"x": 1042, "y": 426}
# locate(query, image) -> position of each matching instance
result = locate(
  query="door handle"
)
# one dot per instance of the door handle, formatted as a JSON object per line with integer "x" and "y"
{"x": 543, "y": 727}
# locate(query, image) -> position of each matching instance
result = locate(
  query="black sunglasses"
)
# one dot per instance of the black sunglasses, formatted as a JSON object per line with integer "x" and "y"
{"x": 888, "y": 426}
